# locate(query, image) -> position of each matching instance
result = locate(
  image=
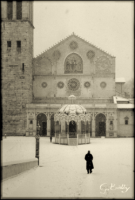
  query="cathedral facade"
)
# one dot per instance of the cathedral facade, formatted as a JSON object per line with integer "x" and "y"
{"x": 34, "y": 89}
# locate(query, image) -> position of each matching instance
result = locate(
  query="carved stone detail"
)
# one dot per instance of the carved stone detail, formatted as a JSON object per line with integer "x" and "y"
{"x": 103, "y": 65}
{"x": 73, "y": 84}
{"x": 87, "y": 84}
{"x": 44, "y": 84}
{"x": 103, "y": 84}
{"x": 73, "y": 45}
{"x": 56, "y": 55}
{"x": 91, "y": 55}
{"x": 60, "y": 84}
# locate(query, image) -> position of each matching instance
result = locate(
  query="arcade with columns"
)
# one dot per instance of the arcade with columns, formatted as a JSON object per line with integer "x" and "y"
{"x": 100, "y": 120}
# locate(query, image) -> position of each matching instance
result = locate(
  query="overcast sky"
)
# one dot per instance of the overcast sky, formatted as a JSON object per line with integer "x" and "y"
{"x": 107, "y": 25}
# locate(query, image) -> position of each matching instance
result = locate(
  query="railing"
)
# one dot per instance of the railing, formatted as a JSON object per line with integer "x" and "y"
{"x": 76, "y": 138}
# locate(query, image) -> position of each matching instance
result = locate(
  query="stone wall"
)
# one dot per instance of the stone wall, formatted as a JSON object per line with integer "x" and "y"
{"x": 125, "y": 130}
{"x": 16, "y": 72}
{"x": 119, "y": 87}
{"x": 74, "y": 58}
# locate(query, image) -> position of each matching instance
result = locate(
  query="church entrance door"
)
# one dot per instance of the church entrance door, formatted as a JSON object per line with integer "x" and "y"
{"x": 100, "y": 125}
{"x": 44, "y": 128}
{"x": 72, "y": 129}
{"x": 42, "y": 121}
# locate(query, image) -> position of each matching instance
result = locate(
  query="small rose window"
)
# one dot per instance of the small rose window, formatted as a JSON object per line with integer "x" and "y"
{"x": 44, "y": 84}
{"x": 60, "y": 84}
{"x": 87, "y": 84}
{"x": 103, "y": 85}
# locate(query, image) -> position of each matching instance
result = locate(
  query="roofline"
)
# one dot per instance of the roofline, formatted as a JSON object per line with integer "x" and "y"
{"x": 55, "y": 45}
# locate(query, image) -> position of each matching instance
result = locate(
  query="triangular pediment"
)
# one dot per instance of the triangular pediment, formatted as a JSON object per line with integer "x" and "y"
{"x": 73, "y": 37}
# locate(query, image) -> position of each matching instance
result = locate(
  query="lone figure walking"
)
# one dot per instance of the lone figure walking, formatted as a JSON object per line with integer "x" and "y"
{"x": 50, "y": 138}
{"x": 89, "y": 163}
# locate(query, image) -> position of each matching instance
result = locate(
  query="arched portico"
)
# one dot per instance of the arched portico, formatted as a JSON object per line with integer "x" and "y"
{"x": 42, "y": 121}
{"x": 100, "y": 125}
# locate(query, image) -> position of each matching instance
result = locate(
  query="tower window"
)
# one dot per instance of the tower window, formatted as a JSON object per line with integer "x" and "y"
{"x": 19, "y": 46}
{"x": 19, "y": 9}
{"x": 8, "y": 43}
{"x": 9, "y": 9}
{"x": 23, "y": 67}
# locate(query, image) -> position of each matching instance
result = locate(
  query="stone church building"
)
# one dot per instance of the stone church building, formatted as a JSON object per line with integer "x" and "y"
{"x": 34, "y": 89}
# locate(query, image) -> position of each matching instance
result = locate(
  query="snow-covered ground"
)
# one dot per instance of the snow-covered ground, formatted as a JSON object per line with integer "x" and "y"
{"x": 62, "y": 169}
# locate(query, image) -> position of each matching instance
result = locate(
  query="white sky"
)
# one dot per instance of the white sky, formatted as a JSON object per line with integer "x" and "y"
{"x": 107, "y": 25}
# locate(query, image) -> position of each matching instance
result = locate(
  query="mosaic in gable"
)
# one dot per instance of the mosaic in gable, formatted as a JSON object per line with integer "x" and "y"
{"x": 73, "y": 64}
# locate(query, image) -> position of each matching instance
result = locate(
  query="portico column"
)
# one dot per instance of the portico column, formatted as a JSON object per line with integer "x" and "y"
{"x": 54, "y": 127}
{"x": 93, "y": 126}
{"x": 59, "y": 127}
{"x": 34, "y": 126}
{"x": 79, "y": 125}
{"x": 48, "y": 125}
{"x": 107, "y": 125}
{"x": 67, "y": 127}
{"x": 115, "y": 125}
{"x": 84, "y": 127}
{"x": 62, "y": 126}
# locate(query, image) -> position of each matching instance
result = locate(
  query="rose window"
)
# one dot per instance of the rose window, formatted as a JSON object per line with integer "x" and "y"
{"x": 60, "y": 84}
{"x": 87, "y": 84}
{"x": 73, "y": 45}
{"x": 103, "y": 85}
{"x": 44, "y": 84}
{"x": 73, "y": 84}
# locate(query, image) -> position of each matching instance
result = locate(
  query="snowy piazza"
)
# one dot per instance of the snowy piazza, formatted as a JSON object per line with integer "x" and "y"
{"x": 67, "y": 85}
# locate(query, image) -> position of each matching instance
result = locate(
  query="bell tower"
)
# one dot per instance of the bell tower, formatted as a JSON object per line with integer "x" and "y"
{"x": 17, "y": 55}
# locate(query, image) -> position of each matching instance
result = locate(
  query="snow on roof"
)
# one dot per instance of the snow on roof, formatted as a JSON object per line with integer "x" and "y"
{"x": 121, "y": 99}
{"x": 120, "y": 80}
{"x": 128, "y": 106}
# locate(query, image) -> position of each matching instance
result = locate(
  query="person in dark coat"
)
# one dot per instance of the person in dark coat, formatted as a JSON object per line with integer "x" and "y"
{"x": 89, "y": 163}
{"x": 50, "y": 138}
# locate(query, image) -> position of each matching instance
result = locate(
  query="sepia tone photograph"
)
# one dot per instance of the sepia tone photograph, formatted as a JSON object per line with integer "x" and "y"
{"x": 67, "y": 88}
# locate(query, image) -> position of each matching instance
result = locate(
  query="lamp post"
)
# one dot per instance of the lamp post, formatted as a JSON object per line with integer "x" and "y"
{"x": 37, "y": 137}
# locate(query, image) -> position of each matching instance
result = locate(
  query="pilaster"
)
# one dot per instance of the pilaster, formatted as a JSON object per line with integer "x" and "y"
{"x": 93, "y": 126}
{"x": 107, "y": 126}
{"x": 48, "y": 124}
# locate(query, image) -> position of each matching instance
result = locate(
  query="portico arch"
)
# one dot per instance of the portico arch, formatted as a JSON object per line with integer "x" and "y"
{"x": 42, "y": 121}
{"x": 100, "y": 125}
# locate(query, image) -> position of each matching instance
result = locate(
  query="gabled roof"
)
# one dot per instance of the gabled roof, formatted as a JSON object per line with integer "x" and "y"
{"x": 63, "y": 40}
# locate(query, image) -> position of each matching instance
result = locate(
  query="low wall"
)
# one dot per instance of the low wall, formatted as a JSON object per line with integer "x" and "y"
{"x": 76, "y": 140}
{"x": 10, "y": 169}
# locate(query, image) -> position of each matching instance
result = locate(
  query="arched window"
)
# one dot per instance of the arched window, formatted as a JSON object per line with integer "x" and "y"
{"x": 9, "y": 9}
{"x": 19, "y": 9}
{"x": 111, "y": 122}
{"x": 31, "y": 121}
{"x": 126, "y": 120}
{"x": 73, "y": 64}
